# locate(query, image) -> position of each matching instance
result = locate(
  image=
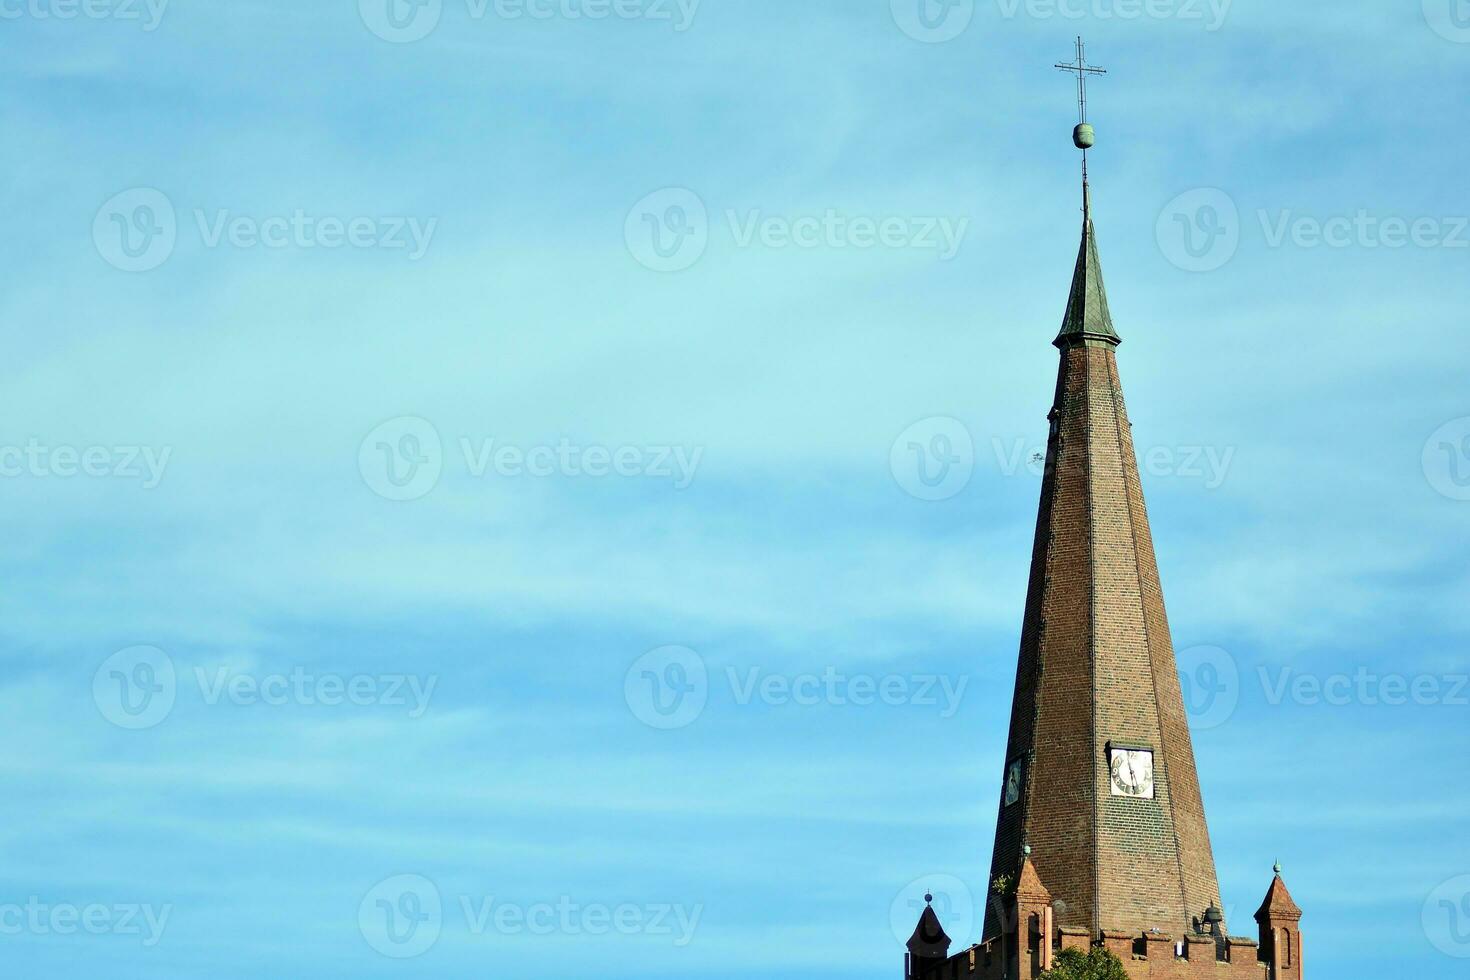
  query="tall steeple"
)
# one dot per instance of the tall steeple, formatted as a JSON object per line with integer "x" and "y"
{"x": 1100, "y": 776}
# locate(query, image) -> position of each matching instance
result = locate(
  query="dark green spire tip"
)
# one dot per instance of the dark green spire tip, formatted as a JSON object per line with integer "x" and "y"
{"x": 1087, "y": 316}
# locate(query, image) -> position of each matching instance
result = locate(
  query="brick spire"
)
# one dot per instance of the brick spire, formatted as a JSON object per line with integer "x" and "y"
{"x": 1097, "y": 671}
{"x": 1279, "y": 903}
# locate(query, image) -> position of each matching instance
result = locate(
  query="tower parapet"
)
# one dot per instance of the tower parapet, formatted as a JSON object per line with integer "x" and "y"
{"x": 1031, "y": 940}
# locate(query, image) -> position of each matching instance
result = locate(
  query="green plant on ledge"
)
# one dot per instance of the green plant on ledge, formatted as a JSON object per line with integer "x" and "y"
{"x": 1073, "y": 964}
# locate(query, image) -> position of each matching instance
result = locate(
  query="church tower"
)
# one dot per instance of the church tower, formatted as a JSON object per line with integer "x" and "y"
{"x": 1100, "y": 775}
{"x": 1101, "y": 837}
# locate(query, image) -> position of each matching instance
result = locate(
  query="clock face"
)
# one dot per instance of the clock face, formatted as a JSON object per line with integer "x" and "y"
{"x": 1132, "y": 772}
{"x": 1013, "y": 783}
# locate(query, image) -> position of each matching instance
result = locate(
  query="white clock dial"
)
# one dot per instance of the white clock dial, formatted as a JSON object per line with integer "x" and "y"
{"x": 1132, "y": 772}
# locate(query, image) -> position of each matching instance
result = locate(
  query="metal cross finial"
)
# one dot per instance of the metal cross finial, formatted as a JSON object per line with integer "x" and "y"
{"x": 1082, "y": 70}
{"x": 1083, "y": 136}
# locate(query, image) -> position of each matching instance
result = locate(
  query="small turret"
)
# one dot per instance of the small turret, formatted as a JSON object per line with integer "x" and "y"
{"x": 929, "y": 945}
{"x": 1281, "y": 937}
{"x": 1035, "y": 924}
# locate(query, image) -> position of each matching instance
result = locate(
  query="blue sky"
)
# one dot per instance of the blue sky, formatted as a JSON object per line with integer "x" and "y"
{"x": 365, "y": 454}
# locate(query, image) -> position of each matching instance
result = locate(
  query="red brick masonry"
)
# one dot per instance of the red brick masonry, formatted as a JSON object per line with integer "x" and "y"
{"x": 1027, "y": 952}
